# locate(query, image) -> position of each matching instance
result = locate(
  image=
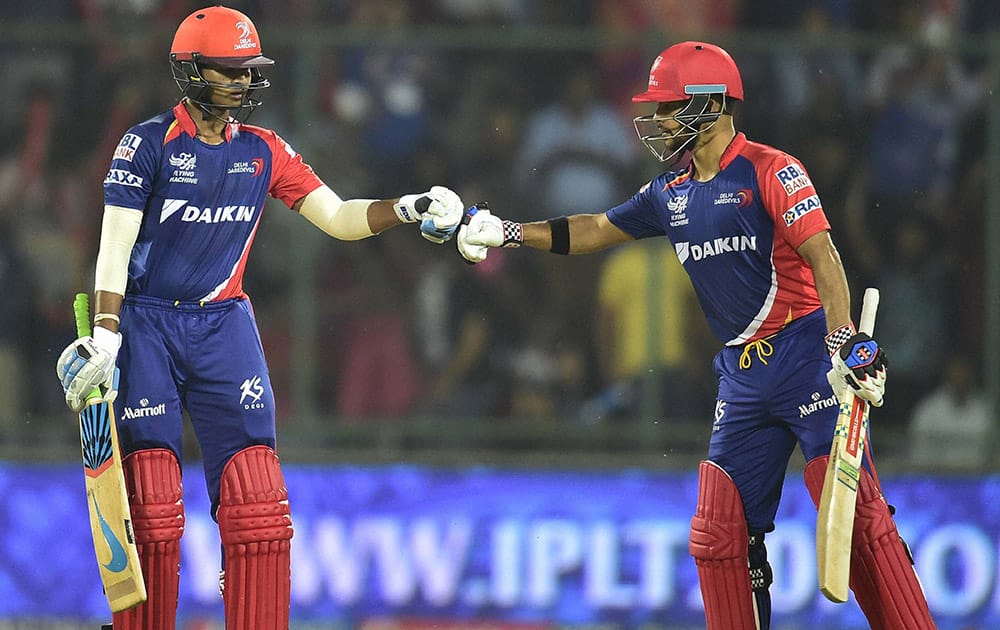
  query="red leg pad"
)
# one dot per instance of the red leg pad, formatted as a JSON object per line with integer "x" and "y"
{"x": 719, "y": 545}
{"x": 882, "y": 575}
{"x": 256, "y": 528}
{"x": 153, "y": 479}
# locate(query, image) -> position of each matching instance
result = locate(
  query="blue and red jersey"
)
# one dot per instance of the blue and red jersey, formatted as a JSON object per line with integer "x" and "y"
{"x": 737, "y": 236}
{"x": 201, "y": 203}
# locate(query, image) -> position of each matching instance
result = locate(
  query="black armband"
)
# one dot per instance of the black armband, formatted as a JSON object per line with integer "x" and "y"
{"x": 560, "y": 235}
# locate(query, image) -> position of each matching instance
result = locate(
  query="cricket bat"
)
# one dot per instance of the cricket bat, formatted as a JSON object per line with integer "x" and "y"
{"x": 835, "y": 523}
{"x": 107, "y": 500}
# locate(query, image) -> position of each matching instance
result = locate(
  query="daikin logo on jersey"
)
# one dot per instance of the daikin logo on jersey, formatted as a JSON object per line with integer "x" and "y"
{"x": 715, "y": 247}
{"x": 194, "y": 214}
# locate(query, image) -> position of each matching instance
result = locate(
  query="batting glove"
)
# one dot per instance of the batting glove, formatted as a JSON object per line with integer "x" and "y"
{"x": 87, "y": 363}
{"x": 439, "y": 211}
{"x": 858, "y": 362}
{"x": 481, "y": 230}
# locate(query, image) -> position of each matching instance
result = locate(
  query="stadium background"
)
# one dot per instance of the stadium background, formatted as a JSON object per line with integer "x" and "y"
{"x": 424, "y": 460}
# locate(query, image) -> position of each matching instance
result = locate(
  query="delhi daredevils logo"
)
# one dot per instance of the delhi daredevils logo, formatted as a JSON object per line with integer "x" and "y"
{"x": 258, "y": 166}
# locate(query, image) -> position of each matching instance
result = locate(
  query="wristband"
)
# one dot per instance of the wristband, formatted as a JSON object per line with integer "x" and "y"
{"x": 513, "y": 234}
{"x": 560, "y": 235}
{"x": 103, "y": 316}
{"x": 837, "y": 338}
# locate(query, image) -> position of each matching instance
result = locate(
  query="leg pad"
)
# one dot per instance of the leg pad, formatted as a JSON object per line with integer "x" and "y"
{"x": 720, "y": 546}
{"x": 882, "y": 575}
{"x": 153, "y": 480}
{"x": 256, "y": 528}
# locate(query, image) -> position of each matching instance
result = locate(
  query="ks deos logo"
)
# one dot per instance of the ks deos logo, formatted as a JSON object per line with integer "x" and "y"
{"x": 252, "y": 393}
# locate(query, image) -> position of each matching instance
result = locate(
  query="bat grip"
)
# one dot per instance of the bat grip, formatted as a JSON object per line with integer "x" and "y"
{"x": 869, "y": 305}
{"x": 81, "y": 310}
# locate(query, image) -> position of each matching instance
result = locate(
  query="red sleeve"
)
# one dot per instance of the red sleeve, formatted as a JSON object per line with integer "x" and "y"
{"x": 291, "y": 178}
{"x": 791, "y": 199}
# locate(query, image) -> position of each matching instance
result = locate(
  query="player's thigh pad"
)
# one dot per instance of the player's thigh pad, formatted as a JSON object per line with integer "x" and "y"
{"x": 256, "y": 528}
{"x": 721, "y": 547}
{"x": 882, "y": 575}
{"x": 153, "y": 479}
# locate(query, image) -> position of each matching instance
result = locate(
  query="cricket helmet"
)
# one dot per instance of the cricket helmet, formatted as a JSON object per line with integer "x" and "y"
{"x": 690, "y": 68}
{"x": 694, "y": 72}
{"x": 222, "y": 37}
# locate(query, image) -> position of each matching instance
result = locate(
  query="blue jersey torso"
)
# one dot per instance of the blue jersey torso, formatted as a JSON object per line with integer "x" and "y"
{"x": 201, "y": 203}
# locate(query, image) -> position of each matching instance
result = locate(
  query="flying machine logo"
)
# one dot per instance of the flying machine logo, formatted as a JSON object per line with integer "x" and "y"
{"x": 184, "y": 165}
{"x": 677, "y": 207}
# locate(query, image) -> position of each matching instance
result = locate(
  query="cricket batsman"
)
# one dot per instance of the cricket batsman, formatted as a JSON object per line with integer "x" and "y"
{"x": 748, "y": 226}
{"x": 183, "y": 200}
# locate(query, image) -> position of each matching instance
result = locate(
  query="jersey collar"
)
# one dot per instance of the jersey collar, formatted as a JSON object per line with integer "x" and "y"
{"x": 187, "y": 124}
{"x": 735, "y": 146}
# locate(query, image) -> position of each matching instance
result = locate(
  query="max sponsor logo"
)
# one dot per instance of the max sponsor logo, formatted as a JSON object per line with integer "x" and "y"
{"x": 801, "y": 209}
{"x": 123, "y": 178}
{"x": 723, "y": 245}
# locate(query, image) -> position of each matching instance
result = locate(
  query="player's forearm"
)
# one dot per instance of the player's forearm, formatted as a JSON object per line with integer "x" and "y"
{"x": 584, "y": 234}
{"x": 119, "y": 231}
{"x": 831, "y": 282}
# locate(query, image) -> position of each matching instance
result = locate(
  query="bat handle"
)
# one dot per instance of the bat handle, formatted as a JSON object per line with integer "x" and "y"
{"x": 81, "y": 310}
{"x": 869, "y": 305}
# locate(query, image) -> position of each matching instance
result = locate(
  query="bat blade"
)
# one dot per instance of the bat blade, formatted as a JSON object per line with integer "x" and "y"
{"x": 835, "y": 521}
{"x": 107, "y": 499}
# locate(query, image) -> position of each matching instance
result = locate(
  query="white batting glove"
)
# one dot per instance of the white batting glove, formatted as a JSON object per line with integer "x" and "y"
{"x": 87, "y": 363}
{"x": 857, "y": 362}
{"x": 481, "y": 230}
{"x": 439, "y": 211}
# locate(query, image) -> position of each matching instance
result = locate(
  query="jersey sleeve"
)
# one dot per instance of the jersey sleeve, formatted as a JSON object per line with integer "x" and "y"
{"x": 291, "y": 178}
{"x": 637, "y": 216}
{"x": 130, "y": 178}
{"x": 792, "y": 201}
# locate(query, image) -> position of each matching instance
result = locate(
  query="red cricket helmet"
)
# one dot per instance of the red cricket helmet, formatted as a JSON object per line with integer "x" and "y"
{"x": 693, "y": 73}
{"x": 217, "y": 36}
{"x": 690, "y": 68}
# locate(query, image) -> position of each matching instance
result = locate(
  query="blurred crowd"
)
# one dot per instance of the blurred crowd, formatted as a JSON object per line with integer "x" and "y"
{"x": 893, "y": 136}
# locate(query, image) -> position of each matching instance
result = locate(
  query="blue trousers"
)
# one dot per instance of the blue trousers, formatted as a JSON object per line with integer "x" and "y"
{"x": 205, "y": 359}
{"x": 773, "y": 394}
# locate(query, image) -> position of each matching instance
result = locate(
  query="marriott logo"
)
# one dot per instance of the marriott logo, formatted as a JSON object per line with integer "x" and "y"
{"x": 134, "y": 413}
